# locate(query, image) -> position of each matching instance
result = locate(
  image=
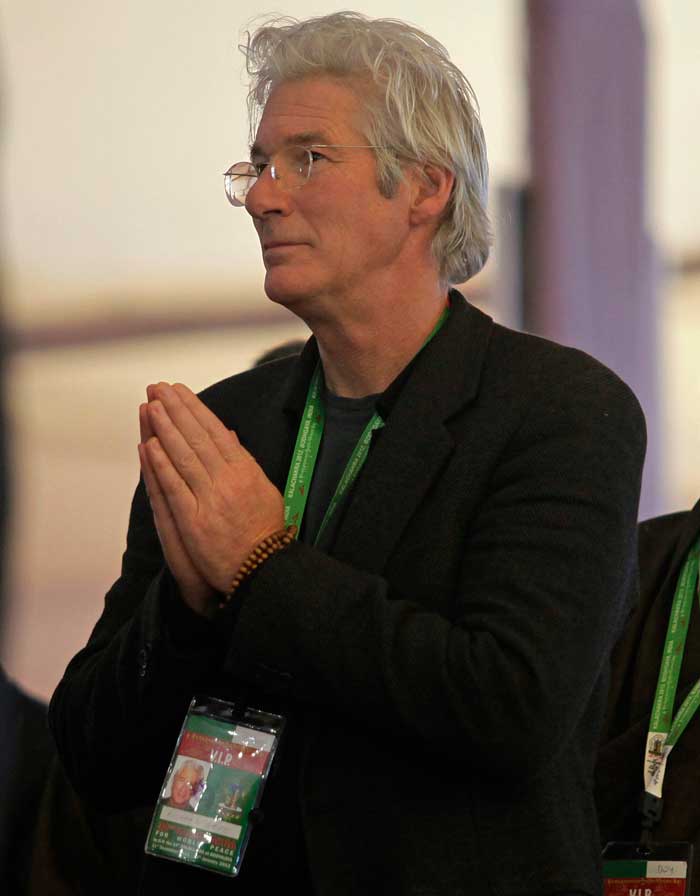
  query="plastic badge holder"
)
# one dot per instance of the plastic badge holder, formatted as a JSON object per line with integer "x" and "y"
{"x": 214, "y": 785}
{"x": 659, "y": 869}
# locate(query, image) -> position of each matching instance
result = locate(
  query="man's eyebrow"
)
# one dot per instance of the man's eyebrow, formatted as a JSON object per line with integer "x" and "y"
{"x": 303, "y": 138}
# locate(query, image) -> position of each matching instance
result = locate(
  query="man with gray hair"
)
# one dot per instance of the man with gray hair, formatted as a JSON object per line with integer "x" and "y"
{"x": 417, "y": 539}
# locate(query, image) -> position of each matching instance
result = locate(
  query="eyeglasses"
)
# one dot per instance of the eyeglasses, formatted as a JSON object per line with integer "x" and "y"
{"x": 292, "y": 167}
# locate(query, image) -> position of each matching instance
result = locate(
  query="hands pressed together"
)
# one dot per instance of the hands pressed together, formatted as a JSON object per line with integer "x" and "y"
{"x": 211, "y": 501}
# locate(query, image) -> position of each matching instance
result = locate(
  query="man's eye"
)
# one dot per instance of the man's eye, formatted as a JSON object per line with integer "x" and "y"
{"x": 259, "y": 167}
{"x": 316, "y": 156}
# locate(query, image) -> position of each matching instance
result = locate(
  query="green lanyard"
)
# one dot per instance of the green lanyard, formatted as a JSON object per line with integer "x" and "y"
{"x": 664, "y": 730}
{"x": 308, "y": 441}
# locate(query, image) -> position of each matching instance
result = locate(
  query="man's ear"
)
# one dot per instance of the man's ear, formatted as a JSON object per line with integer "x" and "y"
{"x": 432, "y": 188}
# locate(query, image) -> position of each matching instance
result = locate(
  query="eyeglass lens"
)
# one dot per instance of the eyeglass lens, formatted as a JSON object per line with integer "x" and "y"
{"x": 291, "y": 167}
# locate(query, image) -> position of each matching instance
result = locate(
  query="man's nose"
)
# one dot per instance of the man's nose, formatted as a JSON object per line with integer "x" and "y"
{"x": 267, "y": 197}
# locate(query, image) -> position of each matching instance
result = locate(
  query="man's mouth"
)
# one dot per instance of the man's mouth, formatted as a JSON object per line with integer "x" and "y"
{"x": 277, "y": 244}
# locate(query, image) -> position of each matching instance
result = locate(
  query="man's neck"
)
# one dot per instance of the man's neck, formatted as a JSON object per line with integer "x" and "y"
{"x": 363, "y": 356}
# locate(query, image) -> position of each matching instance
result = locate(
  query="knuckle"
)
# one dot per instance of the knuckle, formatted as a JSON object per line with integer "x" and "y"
{"x": 187, "y": 459}
{"x": 199, "y": 441}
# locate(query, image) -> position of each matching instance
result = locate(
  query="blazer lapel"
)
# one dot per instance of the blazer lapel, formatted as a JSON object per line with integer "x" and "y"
{"x": 412, "y": 448}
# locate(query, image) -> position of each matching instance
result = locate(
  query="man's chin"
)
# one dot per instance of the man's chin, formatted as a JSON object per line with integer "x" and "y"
{"x": 283, "y": 289}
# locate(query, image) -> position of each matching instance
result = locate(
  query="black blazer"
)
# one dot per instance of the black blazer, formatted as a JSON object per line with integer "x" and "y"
{"x": 448, "y": 654}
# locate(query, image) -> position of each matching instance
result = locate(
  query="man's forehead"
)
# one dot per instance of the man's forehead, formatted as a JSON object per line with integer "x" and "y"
{"x": 312, "y": 110}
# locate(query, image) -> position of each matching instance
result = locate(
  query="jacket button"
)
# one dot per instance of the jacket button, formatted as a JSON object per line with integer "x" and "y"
{"x": 143, "y": 655}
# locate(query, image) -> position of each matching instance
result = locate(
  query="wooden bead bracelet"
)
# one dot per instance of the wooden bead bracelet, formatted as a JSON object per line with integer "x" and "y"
{"x": 278, "y": 541}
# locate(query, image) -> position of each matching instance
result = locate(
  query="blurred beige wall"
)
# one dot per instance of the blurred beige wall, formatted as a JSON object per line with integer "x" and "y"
{"x": 673, "y": 29}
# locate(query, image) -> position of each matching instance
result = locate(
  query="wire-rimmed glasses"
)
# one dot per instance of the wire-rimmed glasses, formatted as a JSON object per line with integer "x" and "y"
{"x": 290, "y": 167}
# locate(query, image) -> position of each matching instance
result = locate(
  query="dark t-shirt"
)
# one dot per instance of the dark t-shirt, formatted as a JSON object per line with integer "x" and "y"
{"x": 346, "y": 419}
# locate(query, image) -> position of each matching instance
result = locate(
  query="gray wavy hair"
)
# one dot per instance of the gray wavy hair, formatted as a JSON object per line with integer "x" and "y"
{"x": 423, "y": 110}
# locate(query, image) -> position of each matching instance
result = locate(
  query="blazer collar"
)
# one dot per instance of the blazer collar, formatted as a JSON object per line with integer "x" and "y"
{"x": 412, "y": 448}
{"x": 445, "y": 374}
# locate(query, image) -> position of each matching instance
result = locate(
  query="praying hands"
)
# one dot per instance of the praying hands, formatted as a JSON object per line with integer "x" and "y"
{"x": 211, "y": 501}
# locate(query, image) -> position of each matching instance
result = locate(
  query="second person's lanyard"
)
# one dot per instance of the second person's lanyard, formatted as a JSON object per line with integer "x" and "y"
{"x": 664, "y": 729}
